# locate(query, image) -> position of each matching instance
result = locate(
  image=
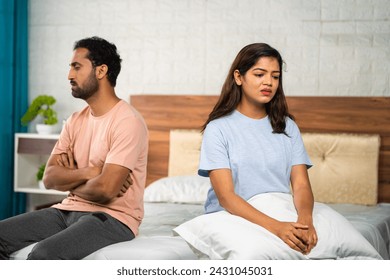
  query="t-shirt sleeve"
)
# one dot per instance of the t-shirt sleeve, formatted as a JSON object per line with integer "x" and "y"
{"x": 128, "y": 142}
{"x": 214, "y": 152}
{"x": 64, "y": 140}
{"x": 299, "y": 154}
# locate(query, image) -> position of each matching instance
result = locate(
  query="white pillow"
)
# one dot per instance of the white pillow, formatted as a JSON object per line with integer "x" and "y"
{"x": 221, "y": 235}
{"x": 178, "y": 189}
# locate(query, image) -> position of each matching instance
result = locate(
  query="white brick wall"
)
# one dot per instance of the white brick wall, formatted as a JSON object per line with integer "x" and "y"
{"x": 331, "y": 47}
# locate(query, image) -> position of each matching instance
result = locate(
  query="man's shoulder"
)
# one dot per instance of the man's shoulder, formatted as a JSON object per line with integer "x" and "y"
{"x": 128, "y": 116}
{"x": 126, "y": 110}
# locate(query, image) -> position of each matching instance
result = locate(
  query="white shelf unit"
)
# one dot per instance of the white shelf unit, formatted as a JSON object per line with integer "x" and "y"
{"x": 31, "y": 151}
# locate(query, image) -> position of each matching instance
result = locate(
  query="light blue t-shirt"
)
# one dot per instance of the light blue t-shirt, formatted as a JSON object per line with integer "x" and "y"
{"x": 260, "y": 161}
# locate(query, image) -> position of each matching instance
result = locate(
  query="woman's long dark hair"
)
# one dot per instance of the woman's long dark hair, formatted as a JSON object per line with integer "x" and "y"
{"x": 231, "y": 93}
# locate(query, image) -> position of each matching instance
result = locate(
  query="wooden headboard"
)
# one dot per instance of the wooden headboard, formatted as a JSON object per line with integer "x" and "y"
{"x": 313, "y": 114}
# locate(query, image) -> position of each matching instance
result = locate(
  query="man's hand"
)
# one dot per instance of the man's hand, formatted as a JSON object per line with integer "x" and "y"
{"x": 67, "y": 159}
{"x": 126, "y": 185}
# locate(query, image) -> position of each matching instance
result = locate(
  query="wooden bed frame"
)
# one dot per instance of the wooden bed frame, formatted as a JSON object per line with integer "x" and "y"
{"x": 370, "y": 115}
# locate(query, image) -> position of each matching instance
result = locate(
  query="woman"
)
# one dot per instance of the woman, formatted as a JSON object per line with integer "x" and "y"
{"x": 251, "y": 145}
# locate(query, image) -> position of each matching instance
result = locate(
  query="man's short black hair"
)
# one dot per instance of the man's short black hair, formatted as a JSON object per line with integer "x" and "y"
{"x": 101, "y": 52}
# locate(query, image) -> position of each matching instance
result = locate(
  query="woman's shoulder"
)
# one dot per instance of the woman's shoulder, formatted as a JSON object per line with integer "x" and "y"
{"x": 221, "y": 120}
{"x": 290, "y": 121}
{"x": 291, "y": 126}
{"x": 220, "y": 126}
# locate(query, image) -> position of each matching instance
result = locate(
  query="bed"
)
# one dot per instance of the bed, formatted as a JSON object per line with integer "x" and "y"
{"x": 355, "y": 127}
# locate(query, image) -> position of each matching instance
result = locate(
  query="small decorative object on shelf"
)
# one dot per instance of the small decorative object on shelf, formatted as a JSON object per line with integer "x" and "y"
{"x": 39, "y": 176}
{"x": 41, "y": 105}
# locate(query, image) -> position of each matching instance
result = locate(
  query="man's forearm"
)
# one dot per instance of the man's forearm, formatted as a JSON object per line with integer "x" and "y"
{"x": 92, "y": 192}
{"x": 64, "y": 179}
{"x": 106, "y": 186}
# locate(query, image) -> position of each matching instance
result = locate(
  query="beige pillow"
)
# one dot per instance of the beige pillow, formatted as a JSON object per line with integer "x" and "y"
{"x": 345, "y": 167}
{"x": 184, "y": 152}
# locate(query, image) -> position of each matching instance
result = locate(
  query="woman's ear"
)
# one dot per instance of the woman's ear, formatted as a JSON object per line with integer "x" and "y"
{"x": 101, "y": 71}
{"x": 237, "y": 77}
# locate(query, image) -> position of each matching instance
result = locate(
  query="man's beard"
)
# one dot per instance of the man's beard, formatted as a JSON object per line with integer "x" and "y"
{"x": 89, "y": 88}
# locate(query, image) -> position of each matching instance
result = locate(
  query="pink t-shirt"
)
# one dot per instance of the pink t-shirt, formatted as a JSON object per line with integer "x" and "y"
{"x": 118, "y": 137}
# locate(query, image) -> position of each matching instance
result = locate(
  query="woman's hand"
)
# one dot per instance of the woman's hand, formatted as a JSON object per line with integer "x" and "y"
{"x": 294, "y": 235}
{"x": 304, "y": 204}
{"x": 310, "y": 235}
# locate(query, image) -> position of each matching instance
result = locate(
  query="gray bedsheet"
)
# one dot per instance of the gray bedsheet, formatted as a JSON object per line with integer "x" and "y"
{"x": 373, "y": 222}
{"x": 156, "y": 240}
{"x": 161, "y": 218}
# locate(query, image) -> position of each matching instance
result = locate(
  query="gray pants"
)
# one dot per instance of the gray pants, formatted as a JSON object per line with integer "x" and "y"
{"x": 60, "y": 234}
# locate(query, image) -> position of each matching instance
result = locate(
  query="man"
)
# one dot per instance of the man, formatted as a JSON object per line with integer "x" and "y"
{"x": 100, "y": 159}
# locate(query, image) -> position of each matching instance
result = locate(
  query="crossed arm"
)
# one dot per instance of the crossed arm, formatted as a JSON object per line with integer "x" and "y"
{"x": 299, "y": 235}
{"x": 96, "y": 184}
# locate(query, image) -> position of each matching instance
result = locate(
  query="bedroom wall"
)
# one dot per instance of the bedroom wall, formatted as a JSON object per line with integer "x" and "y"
{"x": 331, "y": 47}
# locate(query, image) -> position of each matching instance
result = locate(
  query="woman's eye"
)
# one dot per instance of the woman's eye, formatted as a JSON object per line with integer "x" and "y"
{"x": 259, "y": 75}
{"x": 276, "y": 77}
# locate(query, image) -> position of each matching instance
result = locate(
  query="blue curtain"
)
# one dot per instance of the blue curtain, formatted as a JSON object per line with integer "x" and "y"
{"x": 14, "y": 96}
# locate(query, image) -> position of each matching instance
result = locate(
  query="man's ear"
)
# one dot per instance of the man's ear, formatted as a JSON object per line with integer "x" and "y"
{"x": 101, "y": 71}
{"x": 237, "y": 77}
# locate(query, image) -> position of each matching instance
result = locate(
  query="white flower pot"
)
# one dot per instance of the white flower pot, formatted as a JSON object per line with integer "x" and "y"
{"x": 41, "y": 185}
{"x": 45, "y": 128}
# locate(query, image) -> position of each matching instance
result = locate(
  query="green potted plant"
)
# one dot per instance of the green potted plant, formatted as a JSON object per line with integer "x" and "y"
{"x": 39, "y": 176}
{"x": 41, "y": 105}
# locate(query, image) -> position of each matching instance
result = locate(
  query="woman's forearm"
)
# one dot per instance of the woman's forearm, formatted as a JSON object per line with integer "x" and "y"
{"x": 302, "y": 193}
{"x": 235, "y": 205}
{"x": 304, "y": 203}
